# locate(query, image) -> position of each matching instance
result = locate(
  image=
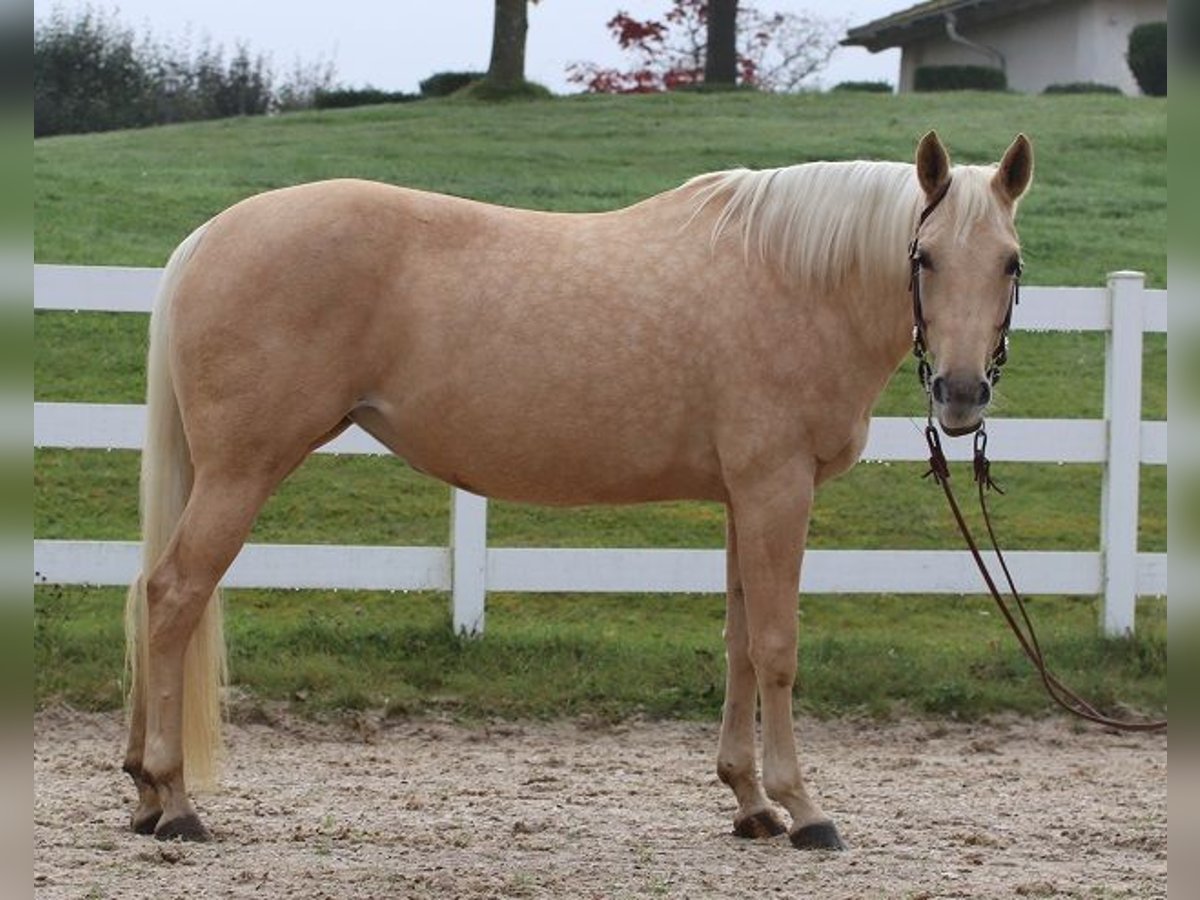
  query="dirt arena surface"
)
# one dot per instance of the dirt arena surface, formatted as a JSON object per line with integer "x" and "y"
{"x": 578, "y": 810}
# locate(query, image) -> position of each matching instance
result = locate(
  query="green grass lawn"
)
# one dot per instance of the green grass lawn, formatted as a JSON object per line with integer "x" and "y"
{"x": 1098, "y": 203}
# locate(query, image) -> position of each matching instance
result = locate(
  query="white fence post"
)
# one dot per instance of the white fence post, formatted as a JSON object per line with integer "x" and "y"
{"x": 468, "y": 561}
{"x": 1123, "y": 413}
{"x": 1183, "y": 608}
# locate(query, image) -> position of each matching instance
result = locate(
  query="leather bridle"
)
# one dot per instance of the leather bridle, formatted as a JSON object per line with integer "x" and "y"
{"x": 920, "y": 347}
{"x": 939, "y": 469}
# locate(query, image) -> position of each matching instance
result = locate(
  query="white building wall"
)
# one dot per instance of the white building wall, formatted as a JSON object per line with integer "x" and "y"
{"x": 1078, "y": 40}
{"x": 1104, "y": 39}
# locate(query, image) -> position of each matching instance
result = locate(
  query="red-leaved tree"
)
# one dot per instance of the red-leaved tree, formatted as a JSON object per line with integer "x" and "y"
{"x": 776, "y": 51}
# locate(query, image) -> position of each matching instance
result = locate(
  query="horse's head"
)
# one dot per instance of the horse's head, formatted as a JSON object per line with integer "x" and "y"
{"x": 966, "y": 261}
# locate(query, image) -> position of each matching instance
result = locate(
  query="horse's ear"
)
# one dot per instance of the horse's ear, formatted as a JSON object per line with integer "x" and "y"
{"x": 933, "y": 164}
{"x": 1015, "y": 173}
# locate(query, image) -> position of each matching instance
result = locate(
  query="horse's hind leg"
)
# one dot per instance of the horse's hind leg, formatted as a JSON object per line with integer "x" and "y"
{"x": 149, "y": 810}
{"x": 735, "y": 752}
{"x": 215, "y": 522}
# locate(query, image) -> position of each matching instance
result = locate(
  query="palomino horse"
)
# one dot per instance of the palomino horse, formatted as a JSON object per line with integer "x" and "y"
{"x": 722, "y": 341}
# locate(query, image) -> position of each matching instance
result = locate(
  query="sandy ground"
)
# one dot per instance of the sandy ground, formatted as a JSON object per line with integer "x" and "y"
{"x": 578, "y": 810}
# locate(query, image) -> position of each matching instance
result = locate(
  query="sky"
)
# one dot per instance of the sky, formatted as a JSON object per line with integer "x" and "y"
{"x": 393, "y": 44}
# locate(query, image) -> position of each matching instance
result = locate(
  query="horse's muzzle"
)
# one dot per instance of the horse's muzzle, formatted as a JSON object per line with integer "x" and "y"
{"x": 959, "y": 402}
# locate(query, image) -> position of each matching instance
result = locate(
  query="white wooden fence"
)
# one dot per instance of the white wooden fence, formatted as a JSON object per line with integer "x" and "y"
{"x": 468, "y": 568}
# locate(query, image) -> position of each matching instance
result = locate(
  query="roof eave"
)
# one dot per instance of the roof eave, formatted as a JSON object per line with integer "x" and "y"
{"x": 925, "y": 20}
{"x": 895, "y": 36}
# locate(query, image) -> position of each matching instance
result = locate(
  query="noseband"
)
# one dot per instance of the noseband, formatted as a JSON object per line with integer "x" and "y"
{"x": 920, "y": 348}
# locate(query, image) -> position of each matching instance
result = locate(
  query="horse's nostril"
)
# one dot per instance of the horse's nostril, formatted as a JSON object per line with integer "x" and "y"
{"x": 938, "y": 388}
{"x": 985, "y": 393}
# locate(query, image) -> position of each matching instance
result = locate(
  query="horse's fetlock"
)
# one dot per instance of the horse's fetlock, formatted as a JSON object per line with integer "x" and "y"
{"x": 163, "y": 775}
{"x": 731, "y": 772}
{"x": 778, "y": 789}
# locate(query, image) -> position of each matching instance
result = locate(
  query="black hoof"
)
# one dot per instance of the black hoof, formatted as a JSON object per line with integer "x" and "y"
{"x": 817, "y": 836}
{"x": 763, "y": 824}
{"x": 143, "y": 822}
{"x": 185, "y": 828}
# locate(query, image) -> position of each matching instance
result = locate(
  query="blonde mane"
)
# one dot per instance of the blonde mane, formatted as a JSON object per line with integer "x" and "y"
{"x": 820, "y": 223}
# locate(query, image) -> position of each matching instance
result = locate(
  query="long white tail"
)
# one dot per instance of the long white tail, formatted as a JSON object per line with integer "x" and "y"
{"x": 166, "y": 482}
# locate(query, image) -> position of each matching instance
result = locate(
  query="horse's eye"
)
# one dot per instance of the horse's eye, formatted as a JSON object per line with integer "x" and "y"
{"x": 924, "y": 261}
{"x": 1013, "y": 267}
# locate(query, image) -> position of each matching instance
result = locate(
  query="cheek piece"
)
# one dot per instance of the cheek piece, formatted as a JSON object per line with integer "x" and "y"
{"x": 920, "y": 347}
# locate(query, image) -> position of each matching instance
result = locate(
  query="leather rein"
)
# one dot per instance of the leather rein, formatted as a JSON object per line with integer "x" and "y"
{"x": 939, "y": 469}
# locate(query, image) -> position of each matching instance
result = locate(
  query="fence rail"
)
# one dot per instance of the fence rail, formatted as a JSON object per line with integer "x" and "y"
{"x": 468, "y": 568}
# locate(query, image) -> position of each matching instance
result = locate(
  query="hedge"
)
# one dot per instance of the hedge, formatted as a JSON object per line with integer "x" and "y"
{"x": 1082, "y": 87}
{"x": 1147, "y": 57}
{"x": 959, "y": 78}
{"x": 345, "y": 97}
{"x": 865, "y": 87}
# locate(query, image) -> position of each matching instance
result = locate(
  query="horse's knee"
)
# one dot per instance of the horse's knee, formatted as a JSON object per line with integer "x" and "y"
{"x": 774, "y": 661}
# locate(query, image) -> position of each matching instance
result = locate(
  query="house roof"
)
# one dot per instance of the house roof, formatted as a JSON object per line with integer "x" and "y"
{"x": 928, "y": 18}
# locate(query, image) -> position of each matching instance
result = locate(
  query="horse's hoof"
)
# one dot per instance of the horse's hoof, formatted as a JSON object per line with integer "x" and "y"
{"x": 762, "y": 824}
{"x": 145, "y": 820}
{"x": 817, "y": 836}
{"x": 184, "y": 828}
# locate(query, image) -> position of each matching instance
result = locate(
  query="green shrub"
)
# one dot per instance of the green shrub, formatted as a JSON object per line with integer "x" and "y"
{"x": 864, "y": 87}
{"x": 1082, "y": 87}
{"x": 959, "y": 78}
{"x": 443, "y": 84}
{"x": 485, "y": 90}
{"x": 1147, "y": 57}
{"x": 346, "y": 97}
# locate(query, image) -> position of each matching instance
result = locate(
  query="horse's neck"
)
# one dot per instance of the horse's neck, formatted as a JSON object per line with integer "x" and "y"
{"x": 880, "y": 322}
{"x": 874, "y": 331}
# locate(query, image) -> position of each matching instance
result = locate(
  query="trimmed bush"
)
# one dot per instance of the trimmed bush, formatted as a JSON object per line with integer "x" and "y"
{"x": 485, "y": 90}
{"x": 864, "y": 87}
{"x": 959, "y": 78}
{"x": 1147, "y": 57}
{"x": 443, "y": 84}
{"x": 1082, "y": 87}
{"x": 368, "y": 96}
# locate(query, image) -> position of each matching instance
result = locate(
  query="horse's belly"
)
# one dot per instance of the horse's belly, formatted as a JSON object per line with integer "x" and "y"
{"x": 557, "y": 464}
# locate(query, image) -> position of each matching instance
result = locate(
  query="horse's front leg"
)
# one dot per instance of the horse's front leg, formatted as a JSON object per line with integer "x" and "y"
{"x": 771, "y": 518}
{"x": 735, "y": 752}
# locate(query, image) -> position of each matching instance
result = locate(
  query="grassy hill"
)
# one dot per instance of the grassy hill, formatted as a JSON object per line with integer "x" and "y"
{"x": 1098, "y": 203}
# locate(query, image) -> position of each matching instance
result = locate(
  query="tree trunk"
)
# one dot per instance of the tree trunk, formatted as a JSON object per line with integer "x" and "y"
{"x": 720, "y": 60}
{"x": 507, "y": 68}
